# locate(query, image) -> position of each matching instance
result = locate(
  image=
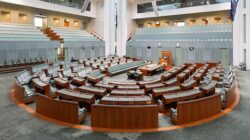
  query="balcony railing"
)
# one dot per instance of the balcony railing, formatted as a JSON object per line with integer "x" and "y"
{"x": 167, "y": 5}
{"x": 67, "y": 4}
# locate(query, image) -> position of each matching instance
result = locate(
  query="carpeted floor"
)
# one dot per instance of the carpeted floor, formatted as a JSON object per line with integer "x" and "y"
{"x": 15, "y": 123}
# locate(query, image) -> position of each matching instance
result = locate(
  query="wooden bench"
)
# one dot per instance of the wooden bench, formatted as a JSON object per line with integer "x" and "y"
{"x": 124, "y": 117}
{"x": 195, "y": 110}
{"x": 66, "y": 111}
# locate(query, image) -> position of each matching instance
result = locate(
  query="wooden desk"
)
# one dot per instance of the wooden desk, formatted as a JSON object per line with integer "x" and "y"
{"x": 166, "y": 90}
{"x": 117, "y": 92}
{"x": 76, "y": 96}
{"x": 78, "y": 81}
{"x": 202, "y": 72}
{"x": 150, "y": 87}
{"x": 152, "y": 81}
{"x": 172, "y": 82}
{"x": 82, "y": 98}
{"x": 209, "y": 89}
{"x": 188, "y": 85}
{"x": 167, "y": 76}
{"x": 181, "y": 96}
{"x": 216, "y": 77}
{"x": 117, "y": 83}
{"x": 99, "y": 92}
{"x": 128, "y": 87}
{"x": 105, "y": 86}
{"x": 192, "y": 69}
{"x": 41, "y": 87}
{"x": 60, "y": 83}
{"x": 150, "y": 69}
{"x": 197, "y": 77}
{"x": 173, "y": 72}
{"x": 187, "y": 72}
{"x": 115, "y": 100}
{"x": 181, "y": 78}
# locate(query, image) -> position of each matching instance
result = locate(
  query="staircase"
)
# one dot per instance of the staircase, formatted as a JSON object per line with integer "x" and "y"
{"x": 51, "y": 34}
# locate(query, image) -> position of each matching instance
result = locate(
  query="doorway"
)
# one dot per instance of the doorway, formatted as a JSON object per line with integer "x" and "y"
{"x": 62, "y": 54}
{"x": 40, "y": 21}
{"x": 178, "y": 56}
{"x": 223, "y": 57}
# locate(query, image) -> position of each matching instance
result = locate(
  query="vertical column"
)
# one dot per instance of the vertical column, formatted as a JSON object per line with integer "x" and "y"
{"x": 109, "y": 26}
{"x": 242, "y": 33}
{"x": 122, "y": 27}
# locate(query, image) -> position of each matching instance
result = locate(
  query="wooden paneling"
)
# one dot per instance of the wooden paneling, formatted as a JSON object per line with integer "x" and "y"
{"x": 66, "y": 111}
{"x": 230, "y": 96}
{"x": 19, "y": 94}
{"x": 124, "y": 117}
{"x": 194, "y": 110}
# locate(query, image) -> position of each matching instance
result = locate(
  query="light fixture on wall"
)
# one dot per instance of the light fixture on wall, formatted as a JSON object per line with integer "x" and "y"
{"x": 92, "y": 47}
{"x": 177, "y": 44}
{"x": 191, "y": 48}
{"x": 159, "y": 45}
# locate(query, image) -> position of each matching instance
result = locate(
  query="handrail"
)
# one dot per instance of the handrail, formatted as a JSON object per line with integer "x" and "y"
{"x": 130, "y": 35}
{"x": 95, "y": 34}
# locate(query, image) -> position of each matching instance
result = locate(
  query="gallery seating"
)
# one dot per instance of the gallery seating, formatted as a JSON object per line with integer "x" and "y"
{"x": 21, "y": 32}
{"x": 62, "y": 110}
{"x": 71, "y": 34}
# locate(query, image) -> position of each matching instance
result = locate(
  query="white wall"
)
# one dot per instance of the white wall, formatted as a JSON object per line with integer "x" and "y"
{"x": 131, "y": 23}
{"x": 53, "y": 7}
{"x": 181, "y": 11}
{"x": 238, "y": 27}
{"x": 97, "y": 24}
